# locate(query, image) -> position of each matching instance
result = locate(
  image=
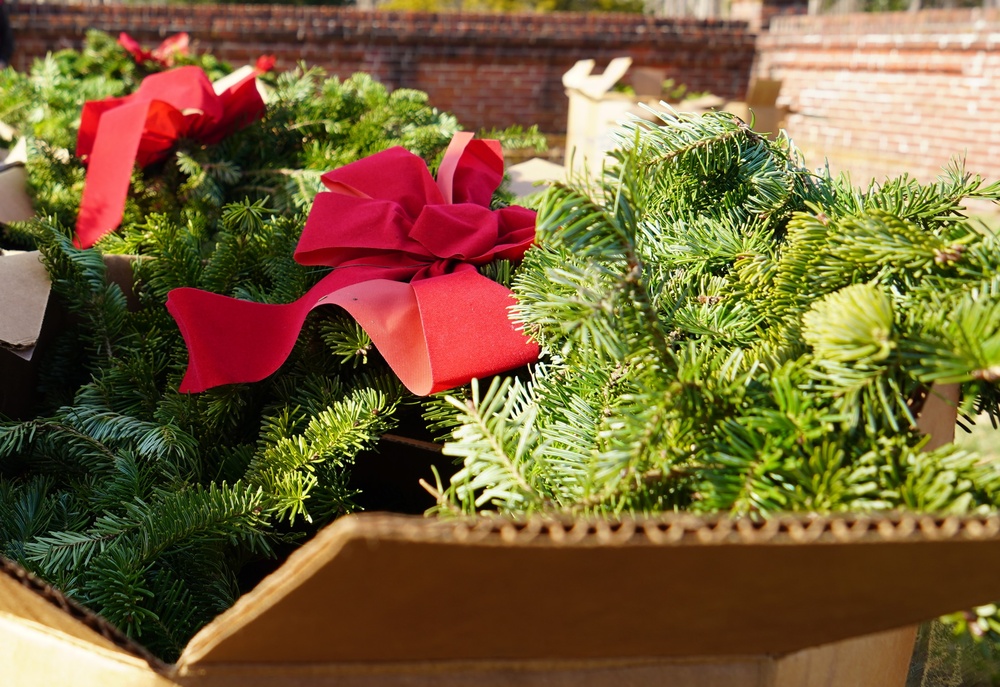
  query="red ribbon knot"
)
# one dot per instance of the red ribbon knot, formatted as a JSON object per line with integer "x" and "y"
{"x": 404, "y": 249}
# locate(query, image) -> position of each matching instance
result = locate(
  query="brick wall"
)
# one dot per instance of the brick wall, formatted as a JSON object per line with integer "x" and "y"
{"x": 877, "y": 94}
{"x": 488, "y": 69}
{"x": 888, "y": 93}
{"x": 758, "y": 14}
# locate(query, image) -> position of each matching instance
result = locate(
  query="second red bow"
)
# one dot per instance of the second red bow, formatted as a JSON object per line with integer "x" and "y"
{"x": 115, "y": 133}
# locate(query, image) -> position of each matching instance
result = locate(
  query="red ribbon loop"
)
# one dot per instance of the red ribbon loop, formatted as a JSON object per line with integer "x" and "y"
{"x": 404, "y": 262}
{"x": 143, "y": 127}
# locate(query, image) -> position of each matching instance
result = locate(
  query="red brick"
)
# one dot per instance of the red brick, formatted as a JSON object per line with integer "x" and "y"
{"x": 479, "y": 57}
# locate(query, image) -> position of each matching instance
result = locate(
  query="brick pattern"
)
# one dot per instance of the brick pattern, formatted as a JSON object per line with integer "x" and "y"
{"x": 490, "y": 70}
{"x": 876, "y": 94}
{"x": 759, "y": 13}
{"x": 884, "y": 94}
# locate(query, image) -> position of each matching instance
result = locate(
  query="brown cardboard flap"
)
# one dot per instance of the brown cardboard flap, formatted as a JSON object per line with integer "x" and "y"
{"x": 15, "y": 204}
{"x": 33, "y": 654}
{"x": 395, "y": 588}
{"x": 24, "y": 597}
{"x": 763, "y": 92}
{"x": 939, "y": 414}
{"x": 24, "y": 294}
{"x": 743, "y": 671}
{"x": 880, "y": 660}
{"x": 648, "y": 81}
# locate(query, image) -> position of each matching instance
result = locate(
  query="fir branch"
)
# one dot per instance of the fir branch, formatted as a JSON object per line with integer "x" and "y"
{"x": 287, "y": 471}
{"x": 494, "y": 439}
{"x": 729, "y": 331}
{"x": 217, "y": 513}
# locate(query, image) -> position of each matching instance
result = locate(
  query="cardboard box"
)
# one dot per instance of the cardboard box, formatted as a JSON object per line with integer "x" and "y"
{"x": 594, "y": 113}
{"x": 23, "y": 287}
{"x": 387, "y": 600}
{"x": 24, "y": 299}
{"x": 29, "y": 318}
{"x": 681, "y": 601}
{"x": 761, "y": 107}
{"x": 15, "y": 204}
{"x": 647, "y": 82}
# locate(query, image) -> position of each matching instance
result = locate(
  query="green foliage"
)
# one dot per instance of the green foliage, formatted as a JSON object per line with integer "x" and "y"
{"x": 726, "y": 330}
{"x": 143, "y": 503}
{"x": 947, "y": 655}
{"x": 676, "y": 92}
{"x": 517, "y": 137}
{"x": 670, "y": 91}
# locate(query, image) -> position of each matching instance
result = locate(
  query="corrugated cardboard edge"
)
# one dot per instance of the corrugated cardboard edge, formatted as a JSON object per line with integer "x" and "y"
{"x": 44, "y": 606}
{"x": 674, "y": 531}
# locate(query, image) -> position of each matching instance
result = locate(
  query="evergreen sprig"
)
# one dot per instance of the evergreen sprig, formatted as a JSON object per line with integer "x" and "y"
{"x": 727, "y": 330}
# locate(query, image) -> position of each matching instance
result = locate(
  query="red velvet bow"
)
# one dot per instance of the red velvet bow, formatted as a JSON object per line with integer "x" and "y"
{"x": 163, "y": 54}
{"x": 115, "y": 133}
{"x": 404, "y": 251}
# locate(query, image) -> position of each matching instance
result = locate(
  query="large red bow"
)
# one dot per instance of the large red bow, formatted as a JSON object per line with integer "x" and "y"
{"x": 163, "y": 54}
{"x": 404, "y": 251}
{"x": 115, "y": 133}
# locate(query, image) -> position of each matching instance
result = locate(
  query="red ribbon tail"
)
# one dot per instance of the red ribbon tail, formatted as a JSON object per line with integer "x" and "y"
{"x": 439, "y": 333}
{"x": 232, "y": 341}
{"x": 466, "y": 321}
{"x": 470, "y": 170}
{"x": 133, "y": 48}
{"x": 435, "y": 334}
{"x": 109, "y": 170}
{"x": 449, "y": 164}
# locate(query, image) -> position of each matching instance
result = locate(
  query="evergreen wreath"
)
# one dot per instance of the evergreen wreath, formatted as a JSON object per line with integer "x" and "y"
{"x": 726, "y": 330}
{"x": 153, "y": 508}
